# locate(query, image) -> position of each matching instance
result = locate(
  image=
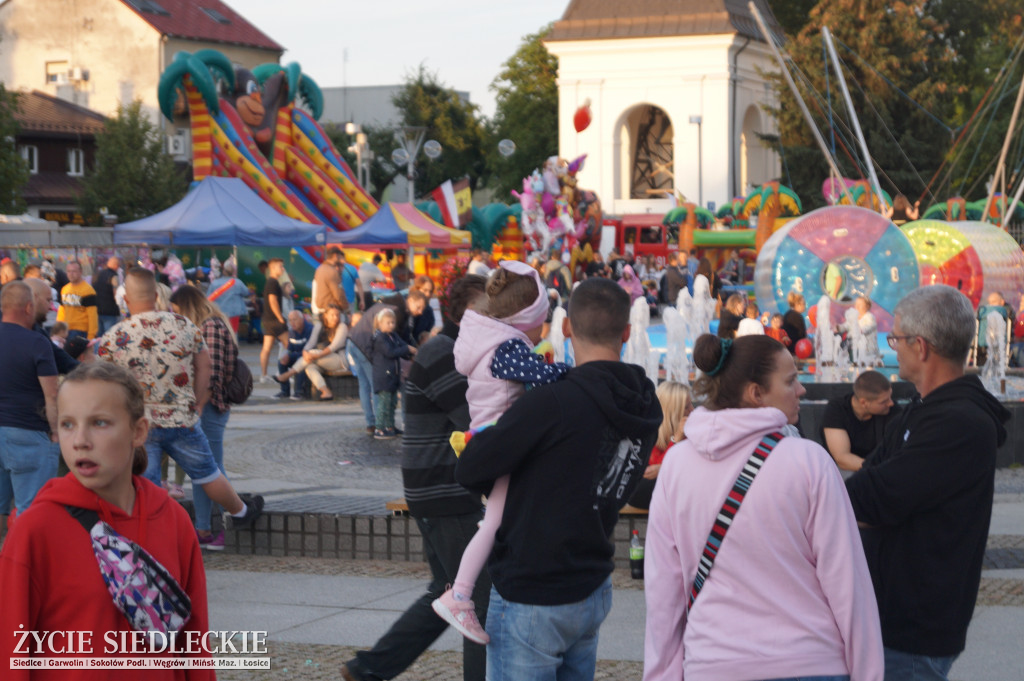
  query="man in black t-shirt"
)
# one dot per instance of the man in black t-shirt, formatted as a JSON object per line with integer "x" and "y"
{"x": 853, "y": 425}
{"x": 275, "y": 328}
{"x": 105, "y": 283}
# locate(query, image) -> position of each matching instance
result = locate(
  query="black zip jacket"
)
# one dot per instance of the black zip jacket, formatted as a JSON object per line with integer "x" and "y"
{"x": 576, "y": 450}
{"x": 927, "y": 494}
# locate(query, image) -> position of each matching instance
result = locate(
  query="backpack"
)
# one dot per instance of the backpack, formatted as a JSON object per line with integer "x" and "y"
{"x": 239, "y": 388}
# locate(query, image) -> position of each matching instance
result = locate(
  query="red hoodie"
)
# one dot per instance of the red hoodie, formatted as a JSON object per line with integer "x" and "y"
{"x": 50, "y": 581}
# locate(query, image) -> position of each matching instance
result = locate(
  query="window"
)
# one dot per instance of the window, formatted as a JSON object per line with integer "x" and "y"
{"x": 76, "y": 162}
{"x": 56, "y": 72}
{"x": 31, "y": 156}
{"x": 150, "y": 6}
{"x": 215, "y": 15}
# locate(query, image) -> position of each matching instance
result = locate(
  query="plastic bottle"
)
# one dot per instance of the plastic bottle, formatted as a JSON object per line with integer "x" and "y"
{"x": 636, "y": 556}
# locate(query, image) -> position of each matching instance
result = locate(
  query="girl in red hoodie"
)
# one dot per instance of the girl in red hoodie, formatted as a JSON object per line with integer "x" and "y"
{"x": 49, "y": 578}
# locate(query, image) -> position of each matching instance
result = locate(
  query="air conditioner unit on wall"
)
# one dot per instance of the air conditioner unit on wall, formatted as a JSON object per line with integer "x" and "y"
{"x": 177, "y": 146}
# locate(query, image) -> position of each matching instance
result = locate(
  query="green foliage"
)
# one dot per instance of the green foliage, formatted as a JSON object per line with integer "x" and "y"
{"x": 901, "y": 42}
{"x": 945, "y": 54}
{"x": 449, "y": 119}
{"x": 14, "y": 172}
{"x": 792, "y": 15}
{"x": 133, "y": 177}
{"x": 526, "y": 113}
{"x": 381, "y": 142}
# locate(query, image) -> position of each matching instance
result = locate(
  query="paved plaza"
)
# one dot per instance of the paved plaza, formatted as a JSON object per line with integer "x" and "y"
{"x": 317, "y": 457}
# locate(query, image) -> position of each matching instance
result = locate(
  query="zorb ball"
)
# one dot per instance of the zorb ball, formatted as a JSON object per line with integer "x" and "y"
{"x": 975, "y": 258}
{"x": 843, "y": 252}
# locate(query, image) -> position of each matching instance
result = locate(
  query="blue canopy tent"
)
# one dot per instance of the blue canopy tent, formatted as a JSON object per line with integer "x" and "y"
{"x": 380, "y": 230}
{"x": 220, "y": 211}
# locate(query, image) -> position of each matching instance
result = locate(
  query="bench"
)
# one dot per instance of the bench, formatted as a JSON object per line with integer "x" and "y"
{"x": 343, "y": 384}
{"x": 630, "y": 518}
{"x": 400, "y": 508}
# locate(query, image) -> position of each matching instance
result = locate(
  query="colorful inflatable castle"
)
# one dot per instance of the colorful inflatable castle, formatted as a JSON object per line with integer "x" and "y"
{"x": 246, "y": 124}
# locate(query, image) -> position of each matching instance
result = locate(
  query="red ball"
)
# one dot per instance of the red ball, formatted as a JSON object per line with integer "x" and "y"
{"x": 1018, "y": 327}
{"x": 803, "y": 348}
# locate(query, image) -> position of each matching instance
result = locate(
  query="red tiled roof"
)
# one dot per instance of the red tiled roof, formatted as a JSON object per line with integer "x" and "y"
{"x": 605, "y": 19}
{"x": 187, "y": 19}
{"x": 39, "y": 112}
{"x": 52, "y": 188}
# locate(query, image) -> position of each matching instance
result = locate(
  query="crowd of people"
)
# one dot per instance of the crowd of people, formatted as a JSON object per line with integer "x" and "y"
{"x": 820, "y": 578}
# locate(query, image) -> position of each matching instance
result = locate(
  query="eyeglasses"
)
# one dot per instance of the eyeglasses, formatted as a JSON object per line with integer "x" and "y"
{"x": 892, "y": 339}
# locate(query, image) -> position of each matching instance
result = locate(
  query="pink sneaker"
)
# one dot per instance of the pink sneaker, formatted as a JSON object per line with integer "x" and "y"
{"x": 462, "y": 616}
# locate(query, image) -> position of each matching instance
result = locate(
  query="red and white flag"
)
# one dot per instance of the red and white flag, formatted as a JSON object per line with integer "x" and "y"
{"x": 455, "y": 201}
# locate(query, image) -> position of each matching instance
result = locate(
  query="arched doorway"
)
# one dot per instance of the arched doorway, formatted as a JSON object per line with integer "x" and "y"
{"x": 753, "y": 154}
{"x": 645, "y": 156}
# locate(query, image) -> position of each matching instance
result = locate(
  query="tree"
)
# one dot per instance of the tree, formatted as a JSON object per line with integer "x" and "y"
{"x": 792, "y": 15}
{"x": 449, "y": 119}
{"x": 980, "y": 36}
{"x": 888, "y": 43}
{"x": 526, "y": 113}
{"x": 14, "y": 172}
{"x": 133, "y": 176}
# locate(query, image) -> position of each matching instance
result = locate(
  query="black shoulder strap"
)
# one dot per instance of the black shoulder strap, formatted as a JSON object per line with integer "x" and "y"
{"x": 87, "y": 517}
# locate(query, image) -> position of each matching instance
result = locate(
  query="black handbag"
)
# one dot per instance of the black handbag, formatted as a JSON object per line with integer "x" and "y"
{"x": 239, "y": 388}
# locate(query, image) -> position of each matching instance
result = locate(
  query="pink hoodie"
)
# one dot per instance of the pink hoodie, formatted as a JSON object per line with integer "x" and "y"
{"x": 479, "y": 337}
{"x": 789, "y": 593}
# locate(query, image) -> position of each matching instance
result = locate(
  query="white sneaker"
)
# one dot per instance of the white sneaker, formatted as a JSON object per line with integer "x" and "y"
{"x": 266, "y": 379}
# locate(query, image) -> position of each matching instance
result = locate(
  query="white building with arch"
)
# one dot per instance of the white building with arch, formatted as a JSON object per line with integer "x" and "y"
{"x": 676, "y": 89}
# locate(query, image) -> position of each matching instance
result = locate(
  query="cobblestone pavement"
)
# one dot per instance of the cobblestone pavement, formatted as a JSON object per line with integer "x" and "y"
{"x": 314, "y": 662}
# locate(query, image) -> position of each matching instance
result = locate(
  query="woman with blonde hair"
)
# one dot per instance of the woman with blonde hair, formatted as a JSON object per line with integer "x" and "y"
{"x": 676, "y": 405}
{"x": 221, "y": 341}
{"x": 325, "y": 351}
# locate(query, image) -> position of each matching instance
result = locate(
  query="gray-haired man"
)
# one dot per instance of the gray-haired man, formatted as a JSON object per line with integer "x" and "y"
{"x": 925, "y": 495}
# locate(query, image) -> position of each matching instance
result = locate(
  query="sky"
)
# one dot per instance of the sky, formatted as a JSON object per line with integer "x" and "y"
{"x": 464, "y": 42}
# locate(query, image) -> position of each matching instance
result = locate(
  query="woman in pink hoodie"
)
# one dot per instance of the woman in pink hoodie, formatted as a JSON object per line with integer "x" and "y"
{"x": 789, "y": 594}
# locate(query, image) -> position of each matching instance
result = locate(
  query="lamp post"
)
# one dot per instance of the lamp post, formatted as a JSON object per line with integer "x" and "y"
{"x": 411, "y": 139}
{"x": 363, "y": 153}
{"x": 699, "y": 121}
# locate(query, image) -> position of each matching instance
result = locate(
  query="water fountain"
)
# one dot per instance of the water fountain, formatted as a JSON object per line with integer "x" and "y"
{"x": 993, "y": 373}
{"x": 638, "y": 347}
{"x": 557, "y": 338}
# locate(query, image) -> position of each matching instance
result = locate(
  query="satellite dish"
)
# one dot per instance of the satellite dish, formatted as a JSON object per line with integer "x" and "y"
{"x": 400, "y": 157}
{"x": 432, "y": 148}
{"x": 506, "y": 147}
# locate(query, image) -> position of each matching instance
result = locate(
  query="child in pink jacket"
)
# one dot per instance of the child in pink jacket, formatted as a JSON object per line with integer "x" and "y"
{"x": 495, "y": 353}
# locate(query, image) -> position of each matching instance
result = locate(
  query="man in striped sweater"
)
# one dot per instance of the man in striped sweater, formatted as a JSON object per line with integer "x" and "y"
{"x": 447, "y": 515}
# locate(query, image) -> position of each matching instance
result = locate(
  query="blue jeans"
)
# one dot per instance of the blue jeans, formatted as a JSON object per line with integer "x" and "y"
{"x": 74, "y": 333}
{"x": 106, "y": 322}
{"x": 188, "y": 447}
{"x": 213, "y": 424}
{"x": 545, "y": 642}
{"x": 444, "y": 539}
{"x": 900, "y": 666}
{"x": 27, "y": 460}
{"x": 299, "y": 378}
{"x": 364, "y": 374}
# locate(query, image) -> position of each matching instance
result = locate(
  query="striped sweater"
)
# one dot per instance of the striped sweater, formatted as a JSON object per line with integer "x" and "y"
{"x": 435, "y": 406}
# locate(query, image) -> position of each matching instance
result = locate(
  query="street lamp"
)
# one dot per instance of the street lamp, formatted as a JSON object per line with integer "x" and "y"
{"x": 411, "y": 139}
{"x": 362, "y": 151}
{"x": 698, "y": 121}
